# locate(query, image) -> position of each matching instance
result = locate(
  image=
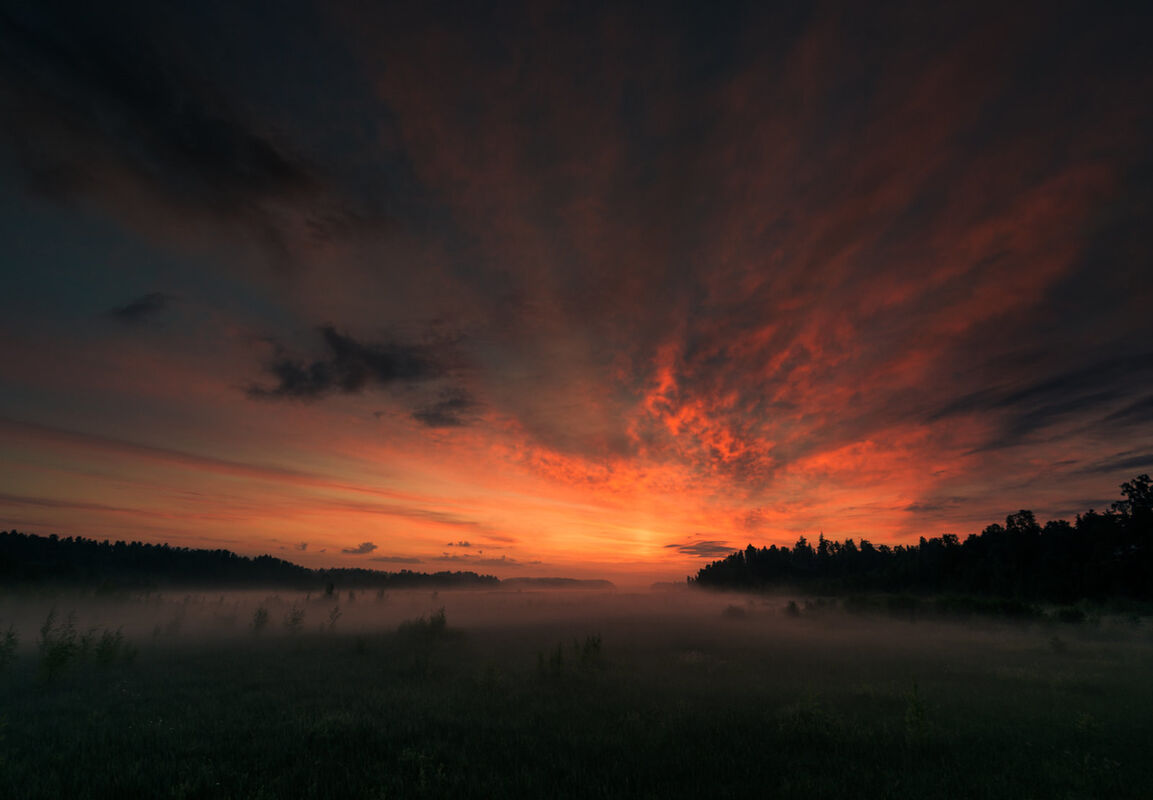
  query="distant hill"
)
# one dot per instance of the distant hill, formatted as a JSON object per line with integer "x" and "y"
{"x": 555, "y": 583}
{"x": 29, "y": 559}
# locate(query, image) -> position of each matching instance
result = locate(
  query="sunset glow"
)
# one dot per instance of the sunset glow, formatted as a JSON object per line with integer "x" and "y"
{"x": 582, "y": 293}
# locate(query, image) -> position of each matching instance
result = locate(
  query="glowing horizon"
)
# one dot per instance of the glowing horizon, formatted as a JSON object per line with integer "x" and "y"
{"x": 593, "y": 295}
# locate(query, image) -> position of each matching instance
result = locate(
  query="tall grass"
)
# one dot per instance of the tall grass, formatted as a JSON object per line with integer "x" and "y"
{"x": 9, "y": 641}
{"x": 61, "y": 646}
{"x": 826, "y": 704}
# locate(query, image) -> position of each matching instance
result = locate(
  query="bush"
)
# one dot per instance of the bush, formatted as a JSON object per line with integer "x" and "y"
{"x": 1071, "y": 615}
{"x": 60, "y": 646}
{"x": 434, "y": 626}
{"x": 294, "y": 620}
{"x": 259, "y": 619}
{"x": 734, "y": 612}
{"x": 57, "y": 645}
{"x": 8, "y": 643}
{"x": 585, "y": 656}
{"x": 808, "y": 723}
{"x": 111, "y": 647}
{"x": 590, "y": 651}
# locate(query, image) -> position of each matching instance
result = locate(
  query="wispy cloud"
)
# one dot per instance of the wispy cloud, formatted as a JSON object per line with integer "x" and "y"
{"x": 361, "y": 549}
{"x": 1122, "y": 462}
{"x": 486, "y": 561}
{"x": 704, "y": 548}
{"x": 452, "y": 409}
{"x": 396, "y": 559}
{"x": 141, "y": 309}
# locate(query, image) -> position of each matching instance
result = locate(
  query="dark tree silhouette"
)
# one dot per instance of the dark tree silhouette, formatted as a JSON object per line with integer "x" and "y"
{"x": 31, "y": 559}
{"x": 1099, "y": 555}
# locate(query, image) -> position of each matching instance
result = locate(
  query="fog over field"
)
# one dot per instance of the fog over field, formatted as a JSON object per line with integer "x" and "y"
{"x": 674, "y": 620}
{"x": 574, "y": 693}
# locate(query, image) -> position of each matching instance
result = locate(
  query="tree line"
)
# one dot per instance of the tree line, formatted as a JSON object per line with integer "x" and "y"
{"x": 1100, "y": 555}
{"x": 29, "y": 559}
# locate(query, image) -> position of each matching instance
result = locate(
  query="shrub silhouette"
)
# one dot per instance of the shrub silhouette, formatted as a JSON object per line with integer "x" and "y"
{"x": 435, "y": 625}
{"x": 112, "y": 647}
{"x": 734, "y": 612}
{"x": 61, "y": 646}
{"x": 808, "y": 723}
{"x": 294, "y": 620}
{"x": 57, "y": 645}
{"x": 584, "y": 656}
{"x": 915, "y": 714}
{"x": 1071, "y": 615}
{"x": 8, "y": 644}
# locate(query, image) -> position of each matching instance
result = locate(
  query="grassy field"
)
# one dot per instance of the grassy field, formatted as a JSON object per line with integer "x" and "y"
{"x": 560, "y": 695}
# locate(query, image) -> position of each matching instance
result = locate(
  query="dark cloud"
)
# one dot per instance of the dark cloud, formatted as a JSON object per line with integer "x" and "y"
{"x": 115, "y": 106}
{"x": 48, "y": 502}
{"x": 459, "y": 544}
{"x": 103, "y": 444}
{"x": 360, "y": 550}
{"x": 1072, "y": 508}
{"x": 396, "y": 560}
{"x": 1134, "y": 414}
{"x": 1071, "y": 394}
{"x": 302, "y": 546}
{"x": 1111, "y": 371}
{"x": 1129, "y": 461}
{"x": 142, "y": 308}
{"x": 108, "y": 87}
{"x": 348, "y": 366}
{"x": 934, "y": 504}
{"x": 702, "y": 549}
{"x": 451, "y": 410}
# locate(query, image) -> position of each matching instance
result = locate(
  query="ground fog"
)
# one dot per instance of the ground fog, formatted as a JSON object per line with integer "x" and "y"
{"x": 562, "y": 693}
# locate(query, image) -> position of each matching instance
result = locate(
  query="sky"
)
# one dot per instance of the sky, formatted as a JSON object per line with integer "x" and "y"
{"x": 590, "y": 290}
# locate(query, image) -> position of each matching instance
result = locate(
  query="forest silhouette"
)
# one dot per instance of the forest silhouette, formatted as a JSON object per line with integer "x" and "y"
{"x": 113, "y": 566}
{"x": 1101, "y": 555}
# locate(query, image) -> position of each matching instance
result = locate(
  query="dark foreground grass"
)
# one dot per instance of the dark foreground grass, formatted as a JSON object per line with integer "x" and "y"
{"x": 709, "y": 707}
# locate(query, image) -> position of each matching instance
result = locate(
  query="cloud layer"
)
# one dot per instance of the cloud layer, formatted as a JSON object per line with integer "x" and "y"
{"x": 586, "y": 282}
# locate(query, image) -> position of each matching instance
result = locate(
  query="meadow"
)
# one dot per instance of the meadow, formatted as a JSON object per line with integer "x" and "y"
{"x": 562, "y": 694}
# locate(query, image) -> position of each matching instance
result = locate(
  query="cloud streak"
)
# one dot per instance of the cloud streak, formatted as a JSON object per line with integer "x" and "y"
{"x": 705, "y": 548}
{"x": 452, "y": 409}
{"x": 361, "y": 549}
{"x": 396, "y": 560}
{"x": 142, "y": 309}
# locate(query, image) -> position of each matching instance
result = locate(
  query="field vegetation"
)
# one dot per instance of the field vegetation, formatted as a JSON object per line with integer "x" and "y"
{"x": 566, "y": 694}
